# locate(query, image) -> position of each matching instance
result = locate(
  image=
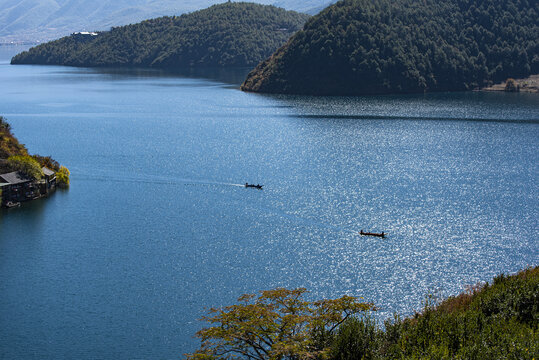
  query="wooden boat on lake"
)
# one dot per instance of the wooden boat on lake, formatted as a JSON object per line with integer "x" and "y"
{"x": 382, "y": 234}
{"x": 257, "y": 186}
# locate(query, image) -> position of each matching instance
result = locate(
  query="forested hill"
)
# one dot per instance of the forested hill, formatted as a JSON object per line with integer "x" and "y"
{"x": 397, "y": 46}
{"x": 229, "y": 34}
{"x": 45, "y": 20}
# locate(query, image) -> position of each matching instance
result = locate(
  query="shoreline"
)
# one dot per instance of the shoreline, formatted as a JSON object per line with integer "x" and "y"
{"x": 527, "y": 85}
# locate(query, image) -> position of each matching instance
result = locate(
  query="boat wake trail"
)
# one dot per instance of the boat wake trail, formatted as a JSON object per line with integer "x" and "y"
{"x": 144, "y": 179}
{"x": 172, "y": 181}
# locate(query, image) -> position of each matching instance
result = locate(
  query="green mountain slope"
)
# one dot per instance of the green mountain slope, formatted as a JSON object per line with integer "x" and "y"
{"x": 229, "y": 34}
{"x": 45, "y": 20}
{"x": 397, "y": 46}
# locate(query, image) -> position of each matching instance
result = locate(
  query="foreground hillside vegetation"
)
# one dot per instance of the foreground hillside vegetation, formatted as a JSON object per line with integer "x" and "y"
{"x": 490, "y": 321}
{"x": 229, "y": 34}
{"x": 398, "y": 46}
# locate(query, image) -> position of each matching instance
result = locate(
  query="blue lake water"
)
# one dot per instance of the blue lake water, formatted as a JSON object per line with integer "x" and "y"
{"x": 156, "y": 226}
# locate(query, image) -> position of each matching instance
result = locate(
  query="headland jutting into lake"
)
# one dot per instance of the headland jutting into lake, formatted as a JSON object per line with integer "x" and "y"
{"x": 358, "y": 47}
{"x": 225, "y": 35}
{"x": 25, "y": 177}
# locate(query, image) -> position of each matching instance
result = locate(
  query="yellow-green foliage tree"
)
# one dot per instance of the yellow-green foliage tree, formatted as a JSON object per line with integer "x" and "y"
{"x": 62, "y": 177}
{"x": 278, "y": 324}
{"x": 25, "y": 164}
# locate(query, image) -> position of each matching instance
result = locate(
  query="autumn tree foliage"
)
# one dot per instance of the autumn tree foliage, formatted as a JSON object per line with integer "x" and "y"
{"x": 27, "y": 165}
{"x": 62, "y": 177}
{"x": 276, "y": 324}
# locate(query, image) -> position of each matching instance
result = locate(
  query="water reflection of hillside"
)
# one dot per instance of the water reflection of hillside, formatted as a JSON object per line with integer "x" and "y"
{"x": 231, "y": 76}
{"x": 8, "y": 51}
{"x": 455, "y": 106}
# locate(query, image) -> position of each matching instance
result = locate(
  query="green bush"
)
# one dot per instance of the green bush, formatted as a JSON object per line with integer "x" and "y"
{"x": 498, "y": 321}
{"x": 62, "y": 177}
{"x": 356, "y": 339}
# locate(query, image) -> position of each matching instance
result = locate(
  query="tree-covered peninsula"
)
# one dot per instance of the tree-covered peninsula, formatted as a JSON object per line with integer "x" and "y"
{"x": 228, "y": 34}
{"x": 399, "y": 46}
{"x": 25, "y": 177}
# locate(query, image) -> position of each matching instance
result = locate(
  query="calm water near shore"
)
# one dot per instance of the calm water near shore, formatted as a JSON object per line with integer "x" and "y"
{"x": 156, "y": 225}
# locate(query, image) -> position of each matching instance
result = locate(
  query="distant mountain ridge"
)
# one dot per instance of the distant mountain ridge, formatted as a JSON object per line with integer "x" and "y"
{"x": 43, "y": 20}
{"x": 359, "y": 47}
{"x": 232, "y": 34}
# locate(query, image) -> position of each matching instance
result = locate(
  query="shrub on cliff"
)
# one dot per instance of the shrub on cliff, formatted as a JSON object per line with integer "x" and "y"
{"x": 62, "y": 177}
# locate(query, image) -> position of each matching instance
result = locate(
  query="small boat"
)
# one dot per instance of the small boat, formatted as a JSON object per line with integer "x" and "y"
{"x": 257, "y": 186}
{"x": 11, "y": 204}
{"x": 382, "y": 234}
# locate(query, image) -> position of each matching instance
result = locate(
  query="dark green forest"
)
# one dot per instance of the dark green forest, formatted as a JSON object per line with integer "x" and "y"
{"x": 400, "y": 46}
{"x": 228, "y": 34}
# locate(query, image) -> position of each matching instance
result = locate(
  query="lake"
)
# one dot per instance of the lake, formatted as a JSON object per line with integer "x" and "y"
{"x": 156, "y": 226}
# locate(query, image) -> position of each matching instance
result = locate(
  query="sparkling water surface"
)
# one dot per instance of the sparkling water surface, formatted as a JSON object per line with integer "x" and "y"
{"x": 156, "y": 226}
